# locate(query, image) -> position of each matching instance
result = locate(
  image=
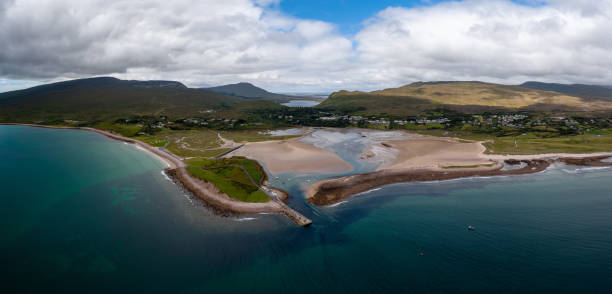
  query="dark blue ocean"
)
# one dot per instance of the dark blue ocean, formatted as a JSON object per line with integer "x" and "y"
{"x": 81, "y": 213}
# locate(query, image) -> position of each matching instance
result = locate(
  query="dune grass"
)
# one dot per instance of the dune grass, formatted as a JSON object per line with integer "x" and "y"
{"x": 252, "y": 136}
{"x": 228, "y": 175}
{"x": 192, "y": 143}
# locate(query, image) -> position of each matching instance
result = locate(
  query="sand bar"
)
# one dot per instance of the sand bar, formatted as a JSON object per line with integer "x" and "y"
{"x": 433, "y": 152}
{"x": 293, "y": 155}
{"x": 435, "y": 158}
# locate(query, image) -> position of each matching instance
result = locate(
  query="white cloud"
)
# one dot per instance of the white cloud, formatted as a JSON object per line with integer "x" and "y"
{"x": 199, "y": 42}
{"x": 491, "y": 40}
{"x": 212, "y": 42}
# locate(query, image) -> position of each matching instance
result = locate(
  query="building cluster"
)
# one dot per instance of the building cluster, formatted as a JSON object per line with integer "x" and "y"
{"x": 374, "y": 120}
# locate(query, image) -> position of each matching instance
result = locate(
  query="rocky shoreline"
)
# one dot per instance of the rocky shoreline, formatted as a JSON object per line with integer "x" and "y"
{"x": 219, "y": 201}
{"x": 332, "y": 191}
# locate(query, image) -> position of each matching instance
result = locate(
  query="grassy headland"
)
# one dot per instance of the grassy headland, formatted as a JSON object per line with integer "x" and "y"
{"x": 237, "y": 177}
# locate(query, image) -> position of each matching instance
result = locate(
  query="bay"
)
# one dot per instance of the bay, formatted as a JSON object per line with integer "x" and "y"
{"x": 82, "y": 213}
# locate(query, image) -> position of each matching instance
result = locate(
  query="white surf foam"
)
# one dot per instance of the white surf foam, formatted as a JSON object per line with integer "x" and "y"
{"x": 166, "y": 176}
{"x": 245, "y": 219}
{"x": 369, "y": 191}
{"x": 336, "y": 204}
{"x": 585, "y": 169}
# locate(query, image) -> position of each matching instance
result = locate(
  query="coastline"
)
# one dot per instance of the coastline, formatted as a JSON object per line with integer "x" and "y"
{"x": 425, "y": 163}
{"x": 332, "y": 191}
{"x": 553, "y": 156}
{"x": 176, "y": 170}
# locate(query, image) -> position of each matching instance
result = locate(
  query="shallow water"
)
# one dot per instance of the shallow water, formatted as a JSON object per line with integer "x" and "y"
{"x": 83, "y": 213}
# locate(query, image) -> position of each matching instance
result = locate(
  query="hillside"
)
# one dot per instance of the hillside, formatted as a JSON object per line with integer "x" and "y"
{"x": 108, "y": 98}
{"x": 578, "y": 90}
{"x": 460, "y": 96}
{"x": 250, "y": 91}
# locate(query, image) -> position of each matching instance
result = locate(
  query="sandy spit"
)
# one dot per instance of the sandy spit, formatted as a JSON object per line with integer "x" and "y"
{"x": 433, "y": 152}
{"x": 436, "y": 158}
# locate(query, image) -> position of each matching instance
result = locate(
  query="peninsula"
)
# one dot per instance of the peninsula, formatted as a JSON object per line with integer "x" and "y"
{"x": 442, "y": 159}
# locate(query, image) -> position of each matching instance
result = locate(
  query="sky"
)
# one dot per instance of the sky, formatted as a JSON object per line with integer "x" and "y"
{"x": 306, "y": 45}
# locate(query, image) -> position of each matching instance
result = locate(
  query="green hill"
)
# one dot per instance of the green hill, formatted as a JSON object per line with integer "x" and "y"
{"x": 101, "y": 99}
{"x": 472, "y": 97}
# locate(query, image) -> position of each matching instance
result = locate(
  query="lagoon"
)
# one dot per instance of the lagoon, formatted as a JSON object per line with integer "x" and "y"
{"x": 301, "y": 103}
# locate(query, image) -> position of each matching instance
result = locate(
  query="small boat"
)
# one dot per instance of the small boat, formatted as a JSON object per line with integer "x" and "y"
{"x": 470, "y": 228}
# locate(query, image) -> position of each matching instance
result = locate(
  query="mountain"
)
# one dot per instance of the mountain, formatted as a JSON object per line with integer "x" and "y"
{"x": 95, "y": 83}
{"x": 109, "y": 98}
{"x": 250, "y": 91}
{"x": 579, "y": 90}
{"x": 470, "y": 97}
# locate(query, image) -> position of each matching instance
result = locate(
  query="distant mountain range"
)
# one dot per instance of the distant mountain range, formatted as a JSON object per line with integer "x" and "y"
{"x": 579, "y": 90}
{"x": 250, "y": 91}
{"x": 105, "y": 99}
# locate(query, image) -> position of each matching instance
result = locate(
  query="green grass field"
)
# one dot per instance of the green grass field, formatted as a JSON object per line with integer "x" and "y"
{"x": 194, "y": 143}
{"x": 531, "y": 144}
{"x": 251, "y": 136}
{"x": 228, "y": 174}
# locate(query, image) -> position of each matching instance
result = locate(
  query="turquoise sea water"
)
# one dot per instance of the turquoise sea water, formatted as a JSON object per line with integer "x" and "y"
{"x": 81, "y": 213}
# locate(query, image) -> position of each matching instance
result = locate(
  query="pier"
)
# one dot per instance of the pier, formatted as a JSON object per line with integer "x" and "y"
{"x": 286, "y": 210}
{"x": 294, "y": 215}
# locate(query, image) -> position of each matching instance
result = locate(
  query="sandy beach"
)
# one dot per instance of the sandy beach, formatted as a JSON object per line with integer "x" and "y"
{"x": 293, "y": 155}
{"x": 432, "y": 152}
{"x": 436, "y": 153}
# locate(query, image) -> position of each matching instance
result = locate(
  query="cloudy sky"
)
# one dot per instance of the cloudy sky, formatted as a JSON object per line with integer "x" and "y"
{"x": 306, "y": 45}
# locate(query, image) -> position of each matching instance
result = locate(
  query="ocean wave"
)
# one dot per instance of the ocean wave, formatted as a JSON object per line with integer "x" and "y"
{"x": 585, "y": 169}
{"x": 188, "y": 198}
{"x": 166, "y": 176}
{"x": 336, "y": 204}
{"x": 464, "y": 179}
{"x": 140, "y": 148}
{"x": 370, "y": 191}
{"x": 245, "y": 219}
